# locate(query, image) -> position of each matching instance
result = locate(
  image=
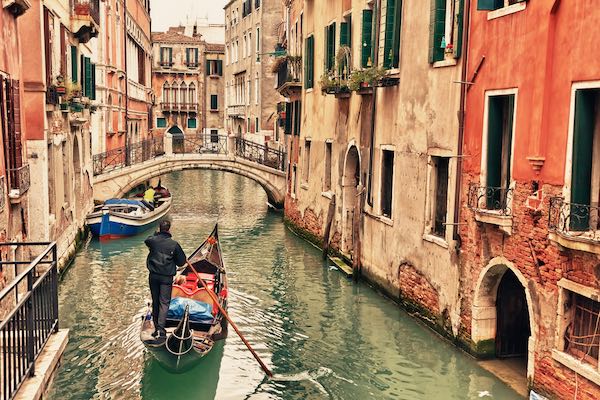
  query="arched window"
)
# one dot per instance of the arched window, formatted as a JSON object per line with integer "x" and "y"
{"x": 165, "y": 93}
{"x": 174, "y": 93}
{"x": 192, "y": 93}
{"x": 109, "y": 117}
{"x": 183, "y": 93}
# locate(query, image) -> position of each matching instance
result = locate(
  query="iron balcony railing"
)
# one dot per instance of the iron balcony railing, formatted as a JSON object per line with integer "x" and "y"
{"x": 200, "y": 143}
{"x": 87, "y": 8}
{"x": 487, "y": 198}
{"x": 289, "y": 72}
{"x": 260, "y": 154}
{"x": 28, "y": 311}
{"x": 574, "y": 220}
{"x": 19, "y": 179}
{"x": 132, "y": 154}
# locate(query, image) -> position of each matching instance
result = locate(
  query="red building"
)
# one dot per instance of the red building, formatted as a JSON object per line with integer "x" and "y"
{"x": 531, "y": 185}
{"x": 14, "y": 170}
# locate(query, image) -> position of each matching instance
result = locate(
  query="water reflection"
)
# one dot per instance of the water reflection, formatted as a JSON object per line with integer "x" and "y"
{"x": 323, "y": 336}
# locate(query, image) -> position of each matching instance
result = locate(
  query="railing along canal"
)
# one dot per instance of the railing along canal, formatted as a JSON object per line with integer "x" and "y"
{"x": 132, "y": 154}
{"x": 260, "y": 154}
{"x": 28, "y": 310}
{"x": 200, "y": 143}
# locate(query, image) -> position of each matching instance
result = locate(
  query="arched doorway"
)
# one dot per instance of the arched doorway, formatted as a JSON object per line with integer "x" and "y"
{"x": 502, "y": 324}
{"x": 76, "y": 174}
{"x": 178, "y": 139}
{"x": 239, "y": 132}
{"x": 350, "y": 182}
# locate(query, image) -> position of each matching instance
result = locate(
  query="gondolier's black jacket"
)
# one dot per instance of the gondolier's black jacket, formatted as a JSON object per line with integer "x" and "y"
{"x": 165, "y": 254}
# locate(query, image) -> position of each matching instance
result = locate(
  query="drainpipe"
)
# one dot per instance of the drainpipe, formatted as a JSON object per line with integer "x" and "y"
{"x": 127, "y": 138}
{"x": 373, "y": 106}
{"x": 461, "y": 120}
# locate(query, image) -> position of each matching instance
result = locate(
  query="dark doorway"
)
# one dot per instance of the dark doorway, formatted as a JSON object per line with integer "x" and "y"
{"x": 512, "y": 329}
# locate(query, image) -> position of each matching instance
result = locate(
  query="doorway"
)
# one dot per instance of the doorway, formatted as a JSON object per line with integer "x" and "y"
{"x": 350, "y": 182}
{"x": 512, "y": 320}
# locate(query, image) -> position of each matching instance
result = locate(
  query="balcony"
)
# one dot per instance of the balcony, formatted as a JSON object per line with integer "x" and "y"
{"x": 16, "y": 7}
{"x": 166, "y": 64}
{"x": 237, "y": 111}
{"x": 85, "y": 19}
{"x": 288, "y": 69}
{"x": 19, "y": 182}
{"x": 574, "y": 226}
{"x": 179, "y": 107}
{"x": 492, "y": 205}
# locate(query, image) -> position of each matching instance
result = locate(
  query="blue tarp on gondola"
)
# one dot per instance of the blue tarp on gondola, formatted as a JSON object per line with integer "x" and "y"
{"x": 132, "y": 202}
{"x": 199, "y": 311}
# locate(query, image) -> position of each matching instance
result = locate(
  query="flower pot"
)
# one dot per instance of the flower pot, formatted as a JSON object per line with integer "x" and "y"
{"x": 64, "y": 106}
{"x": 61, "y": 90}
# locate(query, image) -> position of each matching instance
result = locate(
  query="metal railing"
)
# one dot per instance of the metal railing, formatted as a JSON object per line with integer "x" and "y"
{"x": 200, "y": 143}
{"x": 260, "y": 154}
{"x": 289, "y": 71}
{"x": 132, "y": 154}
{"x": 19, "y": 179}
{"x": 29, "y": 310}
{"x": 487, "y": 198}
{"x": 574, "y": 220}
{"x": 85, "y": 8}
{"x": 191, "y": 107}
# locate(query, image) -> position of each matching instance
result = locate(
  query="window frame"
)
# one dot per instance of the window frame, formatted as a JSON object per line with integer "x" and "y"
{"x": 384, "y": 150}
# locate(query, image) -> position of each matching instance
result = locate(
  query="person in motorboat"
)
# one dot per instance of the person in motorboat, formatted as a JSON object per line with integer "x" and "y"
{"x": 149, "y": 195}
{"x": 162, "y": 262}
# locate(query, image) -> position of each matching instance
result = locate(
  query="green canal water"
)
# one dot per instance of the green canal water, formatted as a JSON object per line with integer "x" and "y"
{"x": 323, "y": 336}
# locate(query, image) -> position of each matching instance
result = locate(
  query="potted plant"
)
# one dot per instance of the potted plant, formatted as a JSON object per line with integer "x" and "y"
{"x": 60, "y": 85}
{"x": 73, "y": 94}
{"x": 366, "y": 78}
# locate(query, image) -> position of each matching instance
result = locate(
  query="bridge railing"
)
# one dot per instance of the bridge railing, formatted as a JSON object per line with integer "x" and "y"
{"x": 200, "y": 143}
{"x": 260, "y": 154}
{"x": 131, "y": 154}
{"x": 28, "y": 311}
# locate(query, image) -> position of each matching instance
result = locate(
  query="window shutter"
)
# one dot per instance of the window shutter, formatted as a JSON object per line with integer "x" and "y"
{"x": 298, "y": 117}
{"x": 187, "y": 56}
{"x": 437, "y": 28}
{"x": 581, "y": 175}
{"x": 162, "y": 55}
{"x": 489, "y": 4}
{"x": 367, "y": 38}
{"x": 459, "y": 29}
{"x": 74, "y": 66}
{"x": 88, "y": 77}
{"x": 288, "y": 118}
{"x": 331, "y": 61}
{"x": 93, "y": 82}
{"x": 344, "y": 34}
{"x": 82, "y": 75}
{"x": 389, "y": 48}
{"x": 309, "y": 63}
{"x": 15, "y": 152}
{"x": 207, "y": 67}
{"x": 220, "y": 67}
{"x": 196, "y": 56}
{"x": 170, "y": 55}
{"x": 214, "y": 102}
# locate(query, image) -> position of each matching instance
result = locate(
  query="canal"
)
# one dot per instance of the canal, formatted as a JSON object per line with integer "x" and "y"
{"x": 323, "y": 336}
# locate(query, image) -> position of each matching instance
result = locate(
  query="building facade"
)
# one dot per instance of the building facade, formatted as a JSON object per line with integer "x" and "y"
{"x": 14, "y": 166}
{"x": 59, "y": 98}
{"x": 187, "y": 80}
{"x": 529, "y": 221}
{"x": 252, "y": 31}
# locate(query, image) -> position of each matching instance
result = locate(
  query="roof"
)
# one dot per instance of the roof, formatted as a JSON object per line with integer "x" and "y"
{"x": 216, "y": 48}
{"x": 173, "y": 36}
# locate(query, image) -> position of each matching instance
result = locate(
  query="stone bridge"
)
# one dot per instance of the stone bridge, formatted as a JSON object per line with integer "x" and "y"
{"x": 118, "y": 181}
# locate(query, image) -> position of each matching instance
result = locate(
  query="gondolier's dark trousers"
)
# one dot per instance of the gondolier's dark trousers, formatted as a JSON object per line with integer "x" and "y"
{"x": 160, "y": 289}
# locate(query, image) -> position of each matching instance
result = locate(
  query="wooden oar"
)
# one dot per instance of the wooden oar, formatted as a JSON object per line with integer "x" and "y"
{"x": 222, "y": 310}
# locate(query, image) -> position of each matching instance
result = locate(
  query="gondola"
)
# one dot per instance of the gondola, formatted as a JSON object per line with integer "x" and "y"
{"x": 194, "y": 322}
{"x": 117, "y": 218}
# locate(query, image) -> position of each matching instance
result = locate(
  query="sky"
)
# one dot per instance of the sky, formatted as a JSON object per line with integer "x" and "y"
{"x": 167, "y": 13}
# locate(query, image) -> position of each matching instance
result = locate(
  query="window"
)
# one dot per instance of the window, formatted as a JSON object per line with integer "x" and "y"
{"x": 294, "y": 180}
{"x": 183, "y": 93}
{"x": 74, "y": 66}
{"x": 141, "y": 55}
{"x": 366, "y": 55}
{"x": 330, "y": 47}
{"x": 306, "y": 169}
{"x": 445, "y": 29}
{"x": 346, "y": 43}
{"x": 327, "y": 180}
{"x": 48, "y": 44}
{"x": 582, "y": 336}
{"x": 161, "y": 122}
{"x": 258, "y": 44}
{"x": 214, "y": 102}
{"x": 499, "y": 141}
{"x": 192, "y": 94}
{"x": 214, "y": 136}
{"x": 256, "y": 4}
{"x": 391, "y": 44}
{"x": 166, "y": 92}
{"x": 297, "y": 108}
{"x": 256, "y": 89}
{"x": 288, "y": 118}
{"x": 440, "y": 195}
{"x": 496, "y": 4}
{"x": 191, "y": 123}
{"x": 227, "y": 55}
{"x": 257, "y": 125}
{"x": 166, "y": 56}
{"x": 10, "y": 124}
{"x": 387, "y": 179}
{"x": 214, "y": 67}
{"x": 191, "y": 57}
{"x": 309, "y": 63}
{"x": 245, "y": 45}
{"x": 247, "y": 124}
{"x": 585, "y": 173}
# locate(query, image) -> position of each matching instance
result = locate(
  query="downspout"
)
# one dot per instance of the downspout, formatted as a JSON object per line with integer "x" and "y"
{"x": 373, "y": 106}
{"x": 461, "y": 121}
{"x": 127, "y": 144}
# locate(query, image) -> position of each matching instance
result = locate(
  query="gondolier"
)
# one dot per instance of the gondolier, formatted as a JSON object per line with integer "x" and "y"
{"x": 162, "y": 262}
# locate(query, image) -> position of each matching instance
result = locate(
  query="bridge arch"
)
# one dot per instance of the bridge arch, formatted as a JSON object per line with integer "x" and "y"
{"x": 119, "y": 182}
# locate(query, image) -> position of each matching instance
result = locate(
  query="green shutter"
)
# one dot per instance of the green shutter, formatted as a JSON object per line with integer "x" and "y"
{"x": 437, "y": 27}
{"x": 162, "y": 51}
{"x": 489, "y": 4}
{"x": 187, "y": 56}
{"x": 192, "y": 123}
{"x": 583, "y": 141}
{"x": 391, "y": 44}
{"x": 309, "y": 63}
{"x": 161, "y": 123}
{"x": 459, "y": 31}
{"x": 288, "y": 118}
{"x": 367, "y": 38}
{"x": 214, "y": 102}
{"x": 93, "y": 82}
{"x": 207, "y": 67}
{"x": 344, "y": 34}
{"x": 88, "y": 78}
{"x": 74, "y": 66}
{"x": 220, "y": 67}
{"x": 330, "y": 47}
{"x": 298, "y": 117}
{"x": 196, "y": 56}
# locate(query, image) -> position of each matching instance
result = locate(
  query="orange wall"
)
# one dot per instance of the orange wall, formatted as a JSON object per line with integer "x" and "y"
{"x": 541, "y": 54}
